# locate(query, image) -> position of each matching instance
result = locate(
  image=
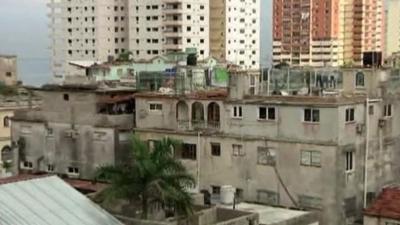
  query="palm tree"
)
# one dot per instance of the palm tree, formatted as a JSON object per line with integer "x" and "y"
{"x": 151, "y": 176}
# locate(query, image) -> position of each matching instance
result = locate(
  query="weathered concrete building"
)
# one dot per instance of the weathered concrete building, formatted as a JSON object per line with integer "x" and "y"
{"x": 8, "y": 105}
{"x": 329, "y": 148}
{"x": 77, "y": 129}
{"x": 8, "y": 69}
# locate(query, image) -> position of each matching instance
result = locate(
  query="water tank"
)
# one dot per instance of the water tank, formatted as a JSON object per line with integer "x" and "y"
{"x": 227, "y": 194}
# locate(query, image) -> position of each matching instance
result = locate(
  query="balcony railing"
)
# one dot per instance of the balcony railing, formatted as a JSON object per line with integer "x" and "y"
{"x": 215, "y": 125}
{"x": 198, "y": 124}
{"x": 183, "y": 124}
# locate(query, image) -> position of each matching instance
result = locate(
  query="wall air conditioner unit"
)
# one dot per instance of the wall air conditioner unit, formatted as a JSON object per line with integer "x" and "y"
{"x": 71, "y": 134}
{"x": 382, "y": 122}
{"x": 360, "y": 128}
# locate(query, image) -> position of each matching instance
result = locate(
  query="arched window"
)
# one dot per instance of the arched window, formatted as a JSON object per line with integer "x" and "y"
{"x": 6, "y": 154}
{"x": 360, "y": 82}
{"x": 6, "y": 121}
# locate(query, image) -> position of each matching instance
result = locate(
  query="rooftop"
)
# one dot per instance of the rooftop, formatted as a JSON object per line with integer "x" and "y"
{"x": 387, "y": 205}
{"x": 214, "y": 94}
{"x": 83, "y": 88}
{"x": 32, "y": 199}
{"x": 275, "y": 215}
{"x": 304, "y": 100}
{"x": 7, "y": 56}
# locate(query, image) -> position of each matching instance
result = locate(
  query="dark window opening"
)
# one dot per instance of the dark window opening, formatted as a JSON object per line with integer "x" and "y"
{"x": 215, "y": 149}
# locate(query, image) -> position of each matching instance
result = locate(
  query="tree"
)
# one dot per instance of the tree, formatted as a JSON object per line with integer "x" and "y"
{"x": 124, "y": 57}
{"x": 151, "y": 176}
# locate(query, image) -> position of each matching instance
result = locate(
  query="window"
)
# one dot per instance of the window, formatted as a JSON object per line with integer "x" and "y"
{"x": 6, "y": 121}
{"x": 266, "y": 113}
{"x": 310, "y": 158}
{"x": 371, "y": 110}
{"x": 155, "y": 107}
{"x": 73, "y": 170}
{"x": 27, "y": 165}
{"x": 349, "y": 161}
{"x": 237, "y": 150}
{"x": 266, "y": 156}
{"x": 50, "y": 168}
{"x": 350, "y": 115}
{"x": 8, "y": 74}
{"x": 387, "y": 110}
{"x": 311, "y": 115}
{"x": 237, "y": 112}
{"x": 66, "y": 97}
{"x": 189, "y": 151}
{"x": 360, "y": 79}
{"x": 216, "y": 190}
{"x": 216, "y": 149}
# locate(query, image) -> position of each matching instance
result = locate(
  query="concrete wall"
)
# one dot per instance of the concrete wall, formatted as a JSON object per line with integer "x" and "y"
{"x": 69, "y": 132}
{"x": 48, "y": 144}
{"x": 369, "y": 220}
{"x": 8, "y": 70}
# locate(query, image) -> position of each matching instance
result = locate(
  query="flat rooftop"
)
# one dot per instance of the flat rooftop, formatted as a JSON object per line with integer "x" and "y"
{"x": 270, "y": 215}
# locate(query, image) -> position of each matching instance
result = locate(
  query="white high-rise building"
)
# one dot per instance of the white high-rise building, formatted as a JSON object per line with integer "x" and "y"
{"x": 157, "y": 27}
{"x": 235, "y": 31}
{"x": 94, "y": 30}
{"x": 86, "y": 30}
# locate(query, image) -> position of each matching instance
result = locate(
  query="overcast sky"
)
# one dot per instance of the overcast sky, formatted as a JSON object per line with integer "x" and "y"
{"x": 24, "y": 28}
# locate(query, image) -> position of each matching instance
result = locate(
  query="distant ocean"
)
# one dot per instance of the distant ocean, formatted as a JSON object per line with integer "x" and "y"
{"x": 34, "y": 72}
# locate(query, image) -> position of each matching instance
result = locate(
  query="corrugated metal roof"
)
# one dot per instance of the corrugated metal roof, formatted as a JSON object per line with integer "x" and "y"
{"x": 49, "y": 200}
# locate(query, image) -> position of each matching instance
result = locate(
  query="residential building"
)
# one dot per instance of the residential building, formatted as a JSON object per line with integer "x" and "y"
{"x": 86, "y": 30}
{"x": 278, "y": 147}
{"x": 8, "y": 70}
{"x": 8, "y": 105}
{"x": 154, "y": 73}
{"x": 47, "y": 200}
{"x": 157, "y": 27}
{"x": 392, "y": 28}
{"x": 385, "y": 210}
{"x": 235, "y": 32}
{"x": 100, "y": 30}
{"x": 77, "y": 129}
{"x": 332, "y": 33}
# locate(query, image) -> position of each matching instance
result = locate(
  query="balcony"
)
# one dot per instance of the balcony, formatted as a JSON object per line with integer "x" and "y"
{"x": 122, "y": 121}
{"x": 198, "y": 124}
{"x": 183, "y": 124}
{"x": 172, "y": 46}
{"x": 172, "y": 33}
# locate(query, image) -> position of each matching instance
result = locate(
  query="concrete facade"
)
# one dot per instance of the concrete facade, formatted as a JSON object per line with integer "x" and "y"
{"x": 75, "y": 131}
{"x": 369, "y": 220}
{"x": 7, "y": 109}
{"x": 8, "y": 70}
{"x": 294, "y": 151}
